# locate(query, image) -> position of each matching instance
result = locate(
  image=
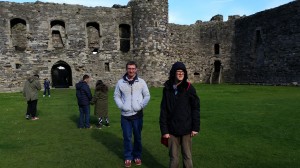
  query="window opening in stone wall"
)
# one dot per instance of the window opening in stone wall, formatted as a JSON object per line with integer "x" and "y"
{"x": 61, "y": 75}
{"x": 197, "y": 77}
{"x": 107, "y": 69}
{"x": 217, "y": 49}
{"x": 124, "y": 34}
{"x": 18, "y": 34}
{"x": 259, "y": 49}
{"x": 93, "y": 35}
{"x": 258, "y": 37}
{"x": 58, "y": 34}
{"x": 18, "y": 66}
{"x": 95, "y": 51}
{"x": 57, "y": 39}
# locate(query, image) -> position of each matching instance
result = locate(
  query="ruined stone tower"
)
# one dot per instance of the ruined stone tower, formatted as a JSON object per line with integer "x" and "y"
{"x": 150, "y": 38}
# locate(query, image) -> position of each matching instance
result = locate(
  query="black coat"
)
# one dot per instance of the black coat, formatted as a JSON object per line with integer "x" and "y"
{"x": 180, "y": 113}
{"x": 83, "y": 93}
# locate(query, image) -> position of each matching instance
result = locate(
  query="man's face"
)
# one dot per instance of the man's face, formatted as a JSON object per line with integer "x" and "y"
{"x": 179, "y": 75}
{"x": 131, "y": 71}
{"x": 87, "y": 80}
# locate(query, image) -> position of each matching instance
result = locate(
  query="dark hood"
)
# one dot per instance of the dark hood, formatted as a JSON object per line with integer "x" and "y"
{"x": 101, "y": 86}
{"x": 176, "y": 66}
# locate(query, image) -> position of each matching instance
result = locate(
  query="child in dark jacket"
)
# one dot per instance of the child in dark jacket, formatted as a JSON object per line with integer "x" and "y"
{"x": 84, "y": 96}
{"x": 100, "y": 100}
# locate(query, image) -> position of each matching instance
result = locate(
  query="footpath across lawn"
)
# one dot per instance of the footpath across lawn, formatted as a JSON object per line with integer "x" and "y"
{"x": 241, "y": 127}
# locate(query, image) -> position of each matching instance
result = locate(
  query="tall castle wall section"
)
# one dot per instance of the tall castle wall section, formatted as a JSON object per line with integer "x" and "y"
{"x": 268, "y": 46}
{"x": 40, "y": 22}
{"x": 201, "y": 45}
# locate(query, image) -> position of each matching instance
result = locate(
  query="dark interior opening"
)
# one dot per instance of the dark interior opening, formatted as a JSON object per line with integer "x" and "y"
{"x": 217, "y": 65}
{"x": 124, "y": 33}
{"x": 217, "y": 49}
{"x": 107, "y": 69}
{"x": 61, "y": 74}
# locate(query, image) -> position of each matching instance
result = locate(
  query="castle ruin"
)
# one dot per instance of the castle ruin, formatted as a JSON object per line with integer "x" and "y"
{"x": 62, "y": 42}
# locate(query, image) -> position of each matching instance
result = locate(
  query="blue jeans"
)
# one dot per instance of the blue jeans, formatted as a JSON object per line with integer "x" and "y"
{"x": 47, "y": 90}
{"x": 132, "y": 126}
{"x": 84, "y": 117}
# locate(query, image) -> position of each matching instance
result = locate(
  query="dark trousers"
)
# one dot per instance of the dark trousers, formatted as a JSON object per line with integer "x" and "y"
{"x": 84, "y": 116}
{"x": 32, "y": 108}
{"x": 47, "y": 90}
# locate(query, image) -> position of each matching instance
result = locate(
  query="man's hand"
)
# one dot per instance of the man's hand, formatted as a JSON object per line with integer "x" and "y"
{"x": 166, "y": 135}
{"x": 194, "y": 133}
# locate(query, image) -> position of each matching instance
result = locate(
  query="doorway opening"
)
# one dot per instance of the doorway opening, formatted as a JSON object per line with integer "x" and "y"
{"x": 61, "y": 74}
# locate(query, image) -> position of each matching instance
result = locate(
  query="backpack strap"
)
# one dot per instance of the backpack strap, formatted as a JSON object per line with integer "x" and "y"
{"x": 189, "y": 84}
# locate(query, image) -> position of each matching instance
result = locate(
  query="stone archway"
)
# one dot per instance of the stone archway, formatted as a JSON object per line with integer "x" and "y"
{"x": 61, "y": 74}
{"x": 216, "y": 74}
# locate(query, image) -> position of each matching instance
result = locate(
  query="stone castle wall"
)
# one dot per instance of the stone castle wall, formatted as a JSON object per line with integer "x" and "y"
{"x": 268, "y": 46}
{"x": 74, "y": 48}
{"x": 43, "y": 37}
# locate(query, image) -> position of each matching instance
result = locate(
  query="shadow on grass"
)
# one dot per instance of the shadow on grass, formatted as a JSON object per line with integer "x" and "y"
{"x": 75, "y": 119}
{"x": 115, "y": 144}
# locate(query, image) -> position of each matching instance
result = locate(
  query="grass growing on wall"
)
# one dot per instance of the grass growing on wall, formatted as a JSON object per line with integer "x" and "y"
{"x": 241, "y": 126}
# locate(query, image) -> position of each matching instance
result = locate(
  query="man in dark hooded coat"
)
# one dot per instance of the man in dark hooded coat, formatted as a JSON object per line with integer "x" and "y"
{"x": 179, "y": 116}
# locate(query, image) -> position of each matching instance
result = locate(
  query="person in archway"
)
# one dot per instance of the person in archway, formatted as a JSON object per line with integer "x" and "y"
{"x": 100, "y": 100}
{"x": 131, "y": 96}
{"x": 179, "y": 115}
{"x": 30, "y": 92}
{"x": 84, "y": 96}
{"x": 46, "y": 87}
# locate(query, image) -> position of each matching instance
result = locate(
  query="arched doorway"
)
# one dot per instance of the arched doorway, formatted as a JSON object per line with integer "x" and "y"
{"x": 216, "y": 74}
{"x": 61, "y": 74}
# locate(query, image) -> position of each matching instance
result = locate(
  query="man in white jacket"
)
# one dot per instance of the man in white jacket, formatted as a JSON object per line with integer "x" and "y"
{"x": 131, "y": 96}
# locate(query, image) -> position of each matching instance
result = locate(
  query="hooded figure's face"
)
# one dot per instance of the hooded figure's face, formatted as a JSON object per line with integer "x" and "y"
{"x": 178, "y": 72}
{"x": 179, "y": 75}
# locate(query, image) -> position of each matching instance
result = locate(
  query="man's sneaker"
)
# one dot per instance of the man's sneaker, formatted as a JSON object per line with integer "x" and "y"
{"x": 127, "y": 163}
{"x": 107, "y": 124}
{"x": 138, "y": 162}
{"x": 43, "y": 95}
{"x": 49, "y": 96}
{"x": 27, "y": 117}
{"x": 35, "y": 118}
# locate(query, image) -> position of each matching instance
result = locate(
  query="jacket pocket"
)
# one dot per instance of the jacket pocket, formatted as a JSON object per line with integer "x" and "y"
{"x": 126, "y": 107}
{"x": 136, "y": 105}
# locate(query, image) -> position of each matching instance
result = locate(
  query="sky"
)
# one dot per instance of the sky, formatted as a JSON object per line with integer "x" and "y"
{"x": 187, "y": 12}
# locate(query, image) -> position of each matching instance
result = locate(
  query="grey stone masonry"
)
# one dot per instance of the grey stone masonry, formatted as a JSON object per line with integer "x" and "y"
{"x": 63, "y": 42}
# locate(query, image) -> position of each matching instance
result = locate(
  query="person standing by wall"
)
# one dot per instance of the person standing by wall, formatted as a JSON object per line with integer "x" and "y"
{"x": 30, "y": 92}
{"x": 46, "y": 87}
{"x": 179, "y": 115}
{"x": 100, "y": 100}
{"x": 84, "y": 96}
{"x": 131, "y": 96}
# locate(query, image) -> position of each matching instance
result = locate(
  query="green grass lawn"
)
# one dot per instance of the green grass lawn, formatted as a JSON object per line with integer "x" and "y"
{"x": 241, "y": 127}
